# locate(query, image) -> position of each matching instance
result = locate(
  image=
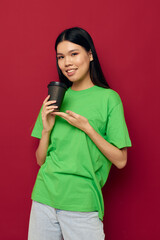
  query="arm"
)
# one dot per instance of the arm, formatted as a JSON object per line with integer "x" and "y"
{"x": 48, "y": 120}
{"x": 41, "y": 151}
{"x": 117, "y": 156}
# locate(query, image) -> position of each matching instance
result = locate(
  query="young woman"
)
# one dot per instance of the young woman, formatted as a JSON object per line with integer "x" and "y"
{"x": 77, "y": 146}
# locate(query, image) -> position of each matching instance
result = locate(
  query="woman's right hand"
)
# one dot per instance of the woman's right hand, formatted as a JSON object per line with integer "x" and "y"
{"x": 47, "y": 118}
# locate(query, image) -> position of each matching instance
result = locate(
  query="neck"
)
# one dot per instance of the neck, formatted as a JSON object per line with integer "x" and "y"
{"x": 82, "y": 85}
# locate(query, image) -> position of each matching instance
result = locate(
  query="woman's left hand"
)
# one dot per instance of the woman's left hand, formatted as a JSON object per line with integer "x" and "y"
{"x": 74, "y": 119}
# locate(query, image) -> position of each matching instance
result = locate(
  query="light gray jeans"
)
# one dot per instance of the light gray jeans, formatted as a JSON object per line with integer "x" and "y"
{"x": 48, "y": 223}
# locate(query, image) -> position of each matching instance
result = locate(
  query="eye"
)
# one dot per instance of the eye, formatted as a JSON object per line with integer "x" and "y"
{"x": 74, "y": 54}
{"x": 59, "y": 57}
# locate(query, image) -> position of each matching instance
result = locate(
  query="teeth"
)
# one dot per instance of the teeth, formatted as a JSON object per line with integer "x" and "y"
{"x": 70, "y": 70}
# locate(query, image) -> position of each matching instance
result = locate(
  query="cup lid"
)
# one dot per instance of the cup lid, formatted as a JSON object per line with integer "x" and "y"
{"x": 57, "y": 84}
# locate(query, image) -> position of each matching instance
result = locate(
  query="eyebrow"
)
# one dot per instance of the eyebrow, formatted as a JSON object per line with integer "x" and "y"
{"x": 69, "y": 51}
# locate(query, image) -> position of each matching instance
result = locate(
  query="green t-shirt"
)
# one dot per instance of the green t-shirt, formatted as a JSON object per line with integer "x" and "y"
{"x": 75, "y": 170}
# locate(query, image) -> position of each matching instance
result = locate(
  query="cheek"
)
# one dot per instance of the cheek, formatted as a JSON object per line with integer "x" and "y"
{"x": 84, "y": 62}
{"x": 60, "y": 65}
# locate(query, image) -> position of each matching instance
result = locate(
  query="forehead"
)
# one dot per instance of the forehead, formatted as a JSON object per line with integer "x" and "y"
{"x": 67, "y": 46}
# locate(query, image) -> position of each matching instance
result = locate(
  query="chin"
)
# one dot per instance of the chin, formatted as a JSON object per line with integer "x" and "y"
{"x": 72, "y": 79}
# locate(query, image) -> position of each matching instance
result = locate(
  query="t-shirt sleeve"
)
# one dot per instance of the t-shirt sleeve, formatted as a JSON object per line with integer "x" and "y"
{"x": 38, "y": 127}
{"x": 116, "y": 129}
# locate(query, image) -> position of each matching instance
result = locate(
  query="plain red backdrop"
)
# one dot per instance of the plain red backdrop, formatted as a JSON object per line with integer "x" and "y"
{"x": 126, "y": 35}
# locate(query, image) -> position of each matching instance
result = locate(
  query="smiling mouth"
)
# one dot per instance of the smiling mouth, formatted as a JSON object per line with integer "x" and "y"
{"x": 71, "y": 72}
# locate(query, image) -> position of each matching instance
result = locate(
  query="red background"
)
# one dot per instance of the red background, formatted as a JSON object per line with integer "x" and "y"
{"x": 126, "y": 35}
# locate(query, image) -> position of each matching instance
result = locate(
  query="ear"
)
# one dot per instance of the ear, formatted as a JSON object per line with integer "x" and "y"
{"x": 90, "y": 55}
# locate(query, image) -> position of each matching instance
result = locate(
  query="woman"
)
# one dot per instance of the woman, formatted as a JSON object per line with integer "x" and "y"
{"x": 77, "y": 146}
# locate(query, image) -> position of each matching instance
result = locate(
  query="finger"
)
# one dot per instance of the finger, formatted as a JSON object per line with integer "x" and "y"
{"x": 46, "y": 99}
{"x": 64, "y": 115}
{"x": 49, "y": 111}
{"x": 61, "y": 114}
{"x": 73, "y": 114}
{"x": 45, "y": 108}
{"x": 44, "y": 115}
{"x": 51, "y": 107}
{"x": 48, "y": 103}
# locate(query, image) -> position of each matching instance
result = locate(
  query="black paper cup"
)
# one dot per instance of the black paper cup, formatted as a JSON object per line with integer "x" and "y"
{"x": 56, "y": 90}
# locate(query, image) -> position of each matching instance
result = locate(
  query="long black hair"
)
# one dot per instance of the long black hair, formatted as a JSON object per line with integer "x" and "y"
{"x": 81, "y": 37}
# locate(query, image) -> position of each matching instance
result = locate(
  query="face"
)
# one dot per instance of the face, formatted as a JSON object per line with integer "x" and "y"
{"x": 74, "y": 61}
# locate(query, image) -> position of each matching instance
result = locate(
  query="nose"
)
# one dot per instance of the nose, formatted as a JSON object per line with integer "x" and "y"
{"x": 68, "y": 61}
